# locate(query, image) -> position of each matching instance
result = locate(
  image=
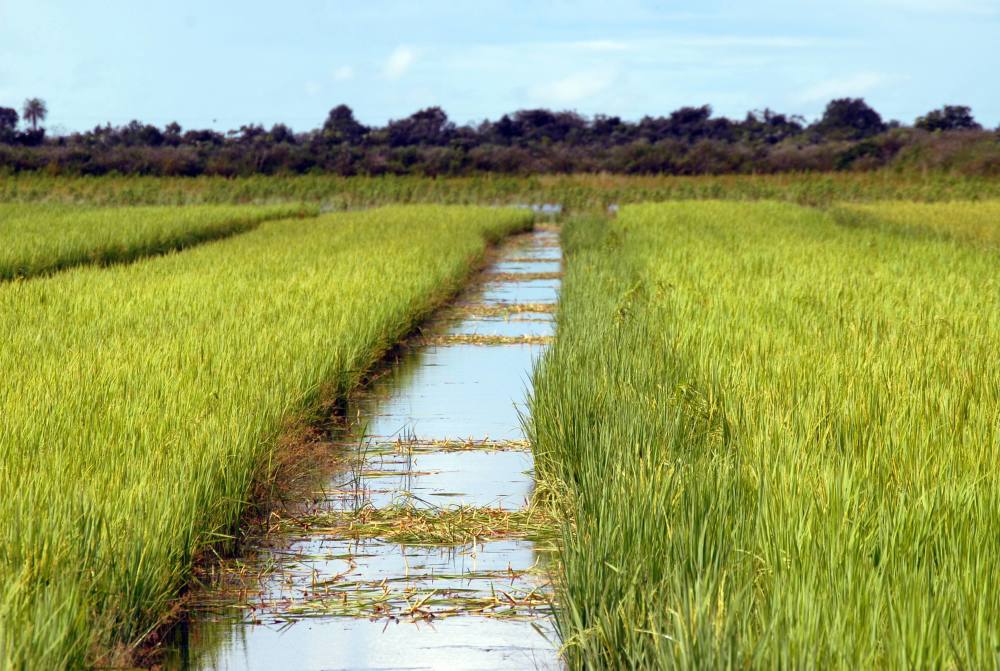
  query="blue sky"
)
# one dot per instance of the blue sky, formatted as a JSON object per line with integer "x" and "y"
{"x": 214, "y": 64}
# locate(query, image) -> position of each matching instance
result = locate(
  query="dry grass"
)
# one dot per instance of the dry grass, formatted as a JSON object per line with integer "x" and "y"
{"x": 504, "y": 309}
{"x": 521, "y": 277}
{"x": 475, "y": 339}
{"x": 414, "y": 526}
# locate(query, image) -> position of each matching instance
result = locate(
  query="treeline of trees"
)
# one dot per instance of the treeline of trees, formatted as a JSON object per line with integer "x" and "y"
{"x": 849, "y": 135}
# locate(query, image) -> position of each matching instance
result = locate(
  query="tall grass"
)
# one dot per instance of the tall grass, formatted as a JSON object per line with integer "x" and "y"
{"x": 42, "y": 238}
{"x": 969, "y": 222}
{"x": 578, "y": 192}
{"x": 142, "y": 403}
{"x": 777, "y": 438}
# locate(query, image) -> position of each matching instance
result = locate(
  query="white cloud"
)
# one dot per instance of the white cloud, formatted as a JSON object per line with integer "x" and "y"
{"x": 595, "y": 45}
{"x": 952, "y": 7}
{"x": 399, "y": 62}
{"x": 313, "y": 88}
{"x": 343, "y": 73}
{"x": 575, "y": 88}
{"x": 853, "y": 85}
{"x": 744, "y": 41}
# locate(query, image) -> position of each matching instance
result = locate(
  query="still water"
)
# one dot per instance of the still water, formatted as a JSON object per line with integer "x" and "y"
{"x": 431, "y": 395}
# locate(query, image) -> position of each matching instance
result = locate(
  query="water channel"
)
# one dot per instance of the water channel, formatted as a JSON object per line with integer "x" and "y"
{"x": 439, "y": 429}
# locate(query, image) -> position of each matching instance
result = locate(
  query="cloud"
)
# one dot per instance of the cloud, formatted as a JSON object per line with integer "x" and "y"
{"x": 399, "y": 62}
{"x": 853, "y": 85}
{"x": 575, "y": 88}
{"x": 952, "y": 7}
{"x": 595, "y": 45}
{"x": 313, "y": 88}
{"x": 343, "y": 73}
{"x": 744, "y": 41}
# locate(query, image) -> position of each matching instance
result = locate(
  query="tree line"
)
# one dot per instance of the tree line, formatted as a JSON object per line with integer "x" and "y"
{"x": 849, "y": 135}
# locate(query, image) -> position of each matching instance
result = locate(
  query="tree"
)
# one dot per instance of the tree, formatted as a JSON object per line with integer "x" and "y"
{"x": 770, "y": 127}
{"x": 137, "y": 134}
{"x": 250, "y": 133}
{"x": 609, "y": 130}
{"x": 341, "y": 126}
{"x": 429, "y": 126}
{"x": 849, "y": 119}
{"x": 688, "y": 124}
{"x": 203, "y": 138}
{"x": 172, "y": 134}
{"x": 949, "y": 117}
{"x": 35, "y": 111}
{"x": 505, "y": 129}
{"x": 8, "y": 123}
{"x": 281, "y": 133}
{"x": 542, "y": 125}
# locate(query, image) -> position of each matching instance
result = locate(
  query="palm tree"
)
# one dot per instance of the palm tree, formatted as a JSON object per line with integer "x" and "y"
{"x": 35, "y": 111}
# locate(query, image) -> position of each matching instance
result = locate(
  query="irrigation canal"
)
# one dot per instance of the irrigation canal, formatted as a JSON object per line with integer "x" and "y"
{"x": 439, "y": 430}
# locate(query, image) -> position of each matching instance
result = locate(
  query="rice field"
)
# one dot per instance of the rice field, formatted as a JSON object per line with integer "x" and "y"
{"x": 36, "y": 239}
{"x": 765, "y": 434}
{"x": 577, "y": 192}
{"x": 143, "y": 404}
{"x": 774, "y": 435}
{"x": 967, "y": 222}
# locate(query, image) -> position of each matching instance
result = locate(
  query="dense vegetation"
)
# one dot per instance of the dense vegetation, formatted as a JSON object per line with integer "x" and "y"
{"x": 773, "y": 427}
{"x": 42, "y": 238}
{"x": 572, "y": 191}
{"x": 689, "y": 141}
{"x": 142, "y": 403}
{"x": 776, "y": 429}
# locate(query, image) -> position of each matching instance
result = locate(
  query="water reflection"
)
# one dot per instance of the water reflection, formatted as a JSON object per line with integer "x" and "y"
{"x": 454, "y": 391}
{"x": 475, "y": 644}
{"x": 434, "y": 393}
{"x": 495, "y": 479}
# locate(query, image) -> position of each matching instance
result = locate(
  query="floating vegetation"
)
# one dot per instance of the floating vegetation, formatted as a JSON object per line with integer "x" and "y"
{"x": 477, "y": 339}
{"x": 386, "y": 564}
{"x": 497, "y": 595}
{"x": 504, "y": 309}
{"x": 522, "y": 277}
{"x": 380, "y": 600}
{"x": 428, "y": 446}
{"x": 527, "y": 259}
{"x": 410, "y": 525}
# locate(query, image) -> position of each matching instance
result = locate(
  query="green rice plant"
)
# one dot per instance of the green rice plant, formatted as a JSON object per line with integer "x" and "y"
{"x": 577, "y": 192}
{"x": 777, "y": 439}
{"x": 43, "y": 238}
{"x": 142, "y": 404}
{"x": 969, "y": 222}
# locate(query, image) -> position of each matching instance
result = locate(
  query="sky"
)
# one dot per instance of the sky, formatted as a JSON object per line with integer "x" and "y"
{"x": 220, "y": 65}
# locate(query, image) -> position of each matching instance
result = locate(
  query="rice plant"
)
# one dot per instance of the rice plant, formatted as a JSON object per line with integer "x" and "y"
{"x": 776, "y": 439}
{"x": 578, "y": 192}
{"x": 967, "y": 222}
{"x": 142, "y": 404}
{"x": 42, "y": 238}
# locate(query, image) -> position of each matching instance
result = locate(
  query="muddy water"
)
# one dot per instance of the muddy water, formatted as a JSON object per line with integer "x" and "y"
{"x": 304, "y": 598}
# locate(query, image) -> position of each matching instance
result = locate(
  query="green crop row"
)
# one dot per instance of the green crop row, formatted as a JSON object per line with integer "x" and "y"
{"x": 579, "y": 192}
{"x": 142, "y": 403}
{"x": 776, "y": 437}
{"x": 42, "y": 238}
{"x": 964, "y": 222}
